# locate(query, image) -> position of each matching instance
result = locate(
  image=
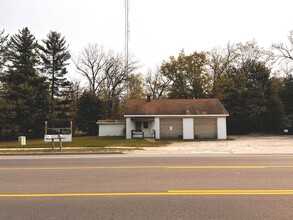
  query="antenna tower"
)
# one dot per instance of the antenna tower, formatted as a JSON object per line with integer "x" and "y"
{"x": 126, "y": 34}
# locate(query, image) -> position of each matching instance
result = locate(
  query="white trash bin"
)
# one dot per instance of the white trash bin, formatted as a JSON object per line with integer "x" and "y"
{"x": 22, "y": 140}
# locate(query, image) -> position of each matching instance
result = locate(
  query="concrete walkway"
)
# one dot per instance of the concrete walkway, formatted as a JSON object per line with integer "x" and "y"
{"x": 237, "y": 145}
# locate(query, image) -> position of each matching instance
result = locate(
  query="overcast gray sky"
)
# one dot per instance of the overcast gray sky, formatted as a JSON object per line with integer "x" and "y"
{"x": 158, "y": 28}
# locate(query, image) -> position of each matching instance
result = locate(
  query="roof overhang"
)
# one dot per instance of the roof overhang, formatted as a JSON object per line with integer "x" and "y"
{"x": 142, "y": 119}
{"x": 110, "y": 122}
{"x": 175, "y": 116}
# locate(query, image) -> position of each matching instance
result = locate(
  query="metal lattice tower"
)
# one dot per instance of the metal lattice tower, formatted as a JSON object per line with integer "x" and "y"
{"x": 127, "y": 32}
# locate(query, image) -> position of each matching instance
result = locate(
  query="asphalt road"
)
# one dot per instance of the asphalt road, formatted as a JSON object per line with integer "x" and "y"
{"x": 146, "y": 187}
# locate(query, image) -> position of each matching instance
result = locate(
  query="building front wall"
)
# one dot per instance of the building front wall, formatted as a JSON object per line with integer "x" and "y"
{"x": 148, "y": 132}
{"x": 181, "y": 128}
{"x": 111, "y": 130}
{"x": 205, "y": 128}
{"x": 147, "y": 127}
{"x": 171, "y": 128}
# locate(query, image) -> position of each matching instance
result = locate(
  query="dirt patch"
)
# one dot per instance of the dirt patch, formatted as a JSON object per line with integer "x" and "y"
{"x": 235, "y": 145}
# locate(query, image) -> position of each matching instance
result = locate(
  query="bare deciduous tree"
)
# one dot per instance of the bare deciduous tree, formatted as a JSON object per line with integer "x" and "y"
{"x": 114, "y": 85}
{"x": 285, "y": 55}
{"x": 285, "y": 52}
{"x": 106, "y": 74}
{"x": 220, "y": 60}
{"x": 135, "y": 89}
{"x": 156, "y": 84}
{"x": 91, "y": 63}
{"x": 252, "y": 51}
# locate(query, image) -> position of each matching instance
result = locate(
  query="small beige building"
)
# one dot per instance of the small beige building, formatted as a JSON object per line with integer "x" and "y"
{"x": 176, "y": 118}
{"x": 111, "y": 128}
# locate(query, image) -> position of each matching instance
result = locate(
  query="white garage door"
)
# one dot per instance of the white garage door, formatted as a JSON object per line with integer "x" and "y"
{"x": 171, "y": 128}
{"x": 205, "y": 128}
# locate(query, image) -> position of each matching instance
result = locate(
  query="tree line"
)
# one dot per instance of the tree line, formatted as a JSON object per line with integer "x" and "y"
{"x": 254, "y": 84}
{"x": 34, "y": 86}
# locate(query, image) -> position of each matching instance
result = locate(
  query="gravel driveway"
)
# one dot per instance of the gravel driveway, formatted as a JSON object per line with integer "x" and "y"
{"x": 237, "y": 145}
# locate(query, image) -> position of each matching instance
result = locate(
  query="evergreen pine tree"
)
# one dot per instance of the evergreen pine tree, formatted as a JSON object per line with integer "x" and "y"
{"x": 89, "y": 111}
{"x": 3, "y": 49}
{"x": 55, "y": 55}
{"x": 23, "y": 89}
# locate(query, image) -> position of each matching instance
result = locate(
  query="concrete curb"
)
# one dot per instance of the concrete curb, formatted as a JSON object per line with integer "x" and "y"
{"x": 57, "y": 153}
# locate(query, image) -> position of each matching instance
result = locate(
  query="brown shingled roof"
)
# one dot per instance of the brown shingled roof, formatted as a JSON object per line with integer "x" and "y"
{"x": 174, "y": 107}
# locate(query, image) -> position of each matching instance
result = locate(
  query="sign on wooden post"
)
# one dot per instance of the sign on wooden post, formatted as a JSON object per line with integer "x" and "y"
{"x": 58, "y": 135}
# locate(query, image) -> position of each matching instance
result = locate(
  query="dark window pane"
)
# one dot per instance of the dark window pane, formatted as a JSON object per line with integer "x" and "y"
{"x": 138, "y": 125}
{"x": 145, "y": 124}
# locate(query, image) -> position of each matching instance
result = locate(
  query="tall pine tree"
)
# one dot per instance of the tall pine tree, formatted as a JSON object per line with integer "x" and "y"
{"x": 6, "y": 113}
{"x": 55, "y": 55}
{"x": 24, "y": 89}
{"x": 3, "y": 49}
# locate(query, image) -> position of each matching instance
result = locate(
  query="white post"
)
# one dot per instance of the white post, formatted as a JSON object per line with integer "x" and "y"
{"x": 128, "y": 126}
{"x": 157, "y": 128}
{"x": 53, "y": 146}
{"x": 222, "y": 128}
{"x": 46, "y": 127}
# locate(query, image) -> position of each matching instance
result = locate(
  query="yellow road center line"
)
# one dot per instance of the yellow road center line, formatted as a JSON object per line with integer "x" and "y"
{"x": 168, "y": 193}
{"x": 140, "y": 167}
{"x": 279, "y": 166}
{"x": 217, "y": 167}
{"x": 80, "y": 168}
{"x": 233, "y": 192}
{"x": 133, "y": 167}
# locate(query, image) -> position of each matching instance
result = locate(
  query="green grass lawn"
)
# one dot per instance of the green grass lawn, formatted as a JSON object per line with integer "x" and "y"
{"x": 94, "y": 142}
